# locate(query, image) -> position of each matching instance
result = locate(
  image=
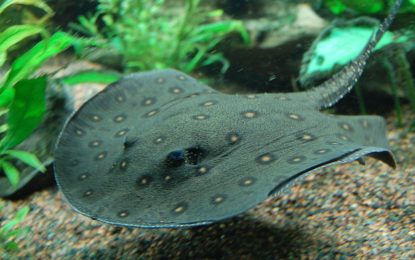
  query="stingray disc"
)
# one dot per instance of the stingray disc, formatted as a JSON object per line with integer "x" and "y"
{"x": 159, "y": 149}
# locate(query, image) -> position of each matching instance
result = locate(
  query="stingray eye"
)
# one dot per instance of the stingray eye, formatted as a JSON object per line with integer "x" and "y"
{"x": 194, "y": 155}
{"x": 129, "y": 142}
{"x": 176, "y": 158}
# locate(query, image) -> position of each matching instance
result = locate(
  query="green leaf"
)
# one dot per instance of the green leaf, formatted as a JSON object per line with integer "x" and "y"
{"x": 26, "y": 111}
{"x": 21, "y": 214}
{"x": 39, "y": 4}
{"x": 336, "y": 6}
{"x": 30, "y": 61}
{"x": 26, "y": 157}
{"x": 355, "y": 38}
{"x": 11, "y": 172}
{"x": 6, "y": 97}
{"x": 91, "y": 77}
{"x": 11, "y": 246}
{"x": 15, "y": 34}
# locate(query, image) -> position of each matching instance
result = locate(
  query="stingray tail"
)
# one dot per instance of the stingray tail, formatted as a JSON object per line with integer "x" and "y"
{"x": 333, "y": 89}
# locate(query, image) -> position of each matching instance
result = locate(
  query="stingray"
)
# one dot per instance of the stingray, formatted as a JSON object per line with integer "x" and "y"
{"x": 160, "y": 149}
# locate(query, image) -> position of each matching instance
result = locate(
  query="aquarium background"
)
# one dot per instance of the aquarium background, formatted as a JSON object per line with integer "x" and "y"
{"x": 55, "y": 55}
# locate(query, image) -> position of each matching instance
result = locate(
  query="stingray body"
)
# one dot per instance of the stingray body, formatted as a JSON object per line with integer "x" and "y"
{"x": 160, "y": 149}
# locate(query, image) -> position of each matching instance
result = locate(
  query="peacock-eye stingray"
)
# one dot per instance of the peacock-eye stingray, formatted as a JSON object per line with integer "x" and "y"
{"x": 160, "y": 149}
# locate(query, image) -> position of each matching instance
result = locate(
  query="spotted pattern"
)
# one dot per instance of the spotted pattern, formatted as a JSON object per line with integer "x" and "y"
{"x": 101, "y": 156}
{"x": 180, "y": 208}
{"x": 167, "y": 178}
{"x": 333, "y": 143}
{"x": 321, "y": 151}
{"x": 95, "y": 143}
{"x": 233, "y": 138}
{"x": 365, "y": 124}
{"x": 83, "y": 176}
{"x": 200, "y": 117}
{"x": 123, "y": 214}
{"x": 247, "y": 181}
{"x": 79, "y": 132}
{"x": 250, "y": 114}
{"x": 265, "y": 158}
{"x": 122, "y": 132}
{"x": 120, "y": 98}
{"x": 95, "y": 118}
{"x": 119, "y": 118}
{"x": 88, "y": 193}
{"x": 306, "y": 137}
{"x": 159, "y": 140}
{"x": 160, "y": 80}
{"x": 151, "y": 113}
{"x": 149, "y": 101}
{"x": 218, "y": 199}
{"x": 181, "y": 77}
{"x": 124, "y": 164}
{"x": 294, "y": 116}
{"x": 144, "y": 180}
{"x": 343, "y": 137}
{"x": 208, "y": 103}
{"x": 345, "y": 126}
{"x": 176, "y": 90}
{"x": 296, "y": 159}
{"x": 202, "y": 170}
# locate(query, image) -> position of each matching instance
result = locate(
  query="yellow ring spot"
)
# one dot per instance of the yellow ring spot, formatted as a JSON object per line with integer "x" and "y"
{"x": 179, "y": 209}
{"x": 152, "y": 113}
{"x": 202, "y": 170}
{"x": 307, "y": 137}
{"x": 160, "y": 80}
{"x": 250, "y": 114}
{"x": 176, "y": 90}
{"x": 294, "y": 116}
{"x": 119, "y": 119}
{"x": 218, "y": 199}
{"x": 120, "y": 98}
{"x": 208, "y": 103}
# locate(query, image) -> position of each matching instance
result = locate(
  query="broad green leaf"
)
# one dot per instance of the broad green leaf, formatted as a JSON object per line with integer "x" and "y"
{"x": 91, "y": 77}
{"x": 11, "y": 172}
{"x": 26, "y": 157}
{"x": 26, "y": 111}
{"x": 6, "y": 97}
{"x": 39, "y": 4}
{"x": 13, "y": 35}
{"x": 355, "y": 38}
{"x": 366, "y": 7}
{"x": 30, "y": 61}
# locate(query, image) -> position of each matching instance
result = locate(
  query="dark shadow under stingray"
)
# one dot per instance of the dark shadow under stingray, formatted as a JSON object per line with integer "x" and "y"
{"x": 241, "y": 237}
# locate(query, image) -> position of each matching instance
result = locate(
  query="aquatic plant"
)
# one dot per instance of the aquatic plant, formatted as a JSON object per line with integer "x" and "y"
{"x": 151, "y": 34}
{"x": 23, "y": 15}
{"x": 367, "y": 6}
{"x": 189, "y": 155}
{"x": 319, "y": 61}
{"x": 9, "y": 233}
{"x": 23, "y": 99}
